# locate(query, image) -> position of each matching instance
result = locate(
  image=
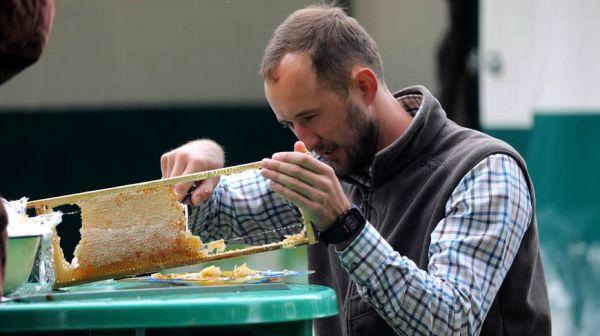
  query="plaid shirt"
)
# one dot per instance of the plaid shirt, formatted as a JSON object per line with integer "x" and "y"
{"x": 471, "y": 249}
{"x": 242, "y": 209}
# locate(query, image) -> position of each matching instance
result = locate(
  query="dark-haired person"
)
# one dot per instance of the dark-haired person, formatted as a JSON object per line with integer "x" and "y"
{"x": 24, "y": 30}
{"x": 428, "y": 228}
{"x": 25, "y": 27}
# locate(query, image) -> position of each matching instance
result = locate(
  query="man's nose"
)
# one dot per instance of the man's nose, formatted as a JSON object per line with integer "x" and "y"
{"x": 306, "y": 135}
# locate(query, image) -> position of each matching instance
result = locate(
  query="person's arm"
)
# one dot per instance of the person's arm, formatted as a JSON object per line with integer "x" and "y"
{"x": 471, "y": 251}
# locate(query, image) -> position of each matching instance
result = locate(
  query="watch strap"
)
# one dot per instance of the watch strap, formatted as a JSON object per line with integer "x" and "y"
{"x": 347, "y": 225}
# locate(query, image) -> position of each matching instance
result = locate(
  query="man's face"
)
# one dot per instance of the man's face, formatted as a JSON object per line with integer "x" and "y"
{"x": 338, "y": 128}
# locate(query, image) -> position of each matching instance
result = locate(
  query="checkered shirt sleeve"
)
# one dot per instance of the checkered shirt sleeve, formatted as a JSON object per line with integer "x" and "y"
{"x": 243, "y": 209}
{"x": 471, "y": 251}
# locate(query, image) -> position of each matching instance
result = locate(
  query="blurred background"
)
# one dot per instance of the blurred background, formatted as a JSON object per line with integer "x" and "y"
{"x": 123, "y": 81}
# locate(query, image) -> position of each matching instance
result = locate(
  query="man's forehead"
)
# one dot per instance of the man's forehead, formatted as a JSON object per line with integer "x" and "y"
{"x": 292, "y": 85}
{"x": 294, "y": 91}
{"x": 297, "y": 65}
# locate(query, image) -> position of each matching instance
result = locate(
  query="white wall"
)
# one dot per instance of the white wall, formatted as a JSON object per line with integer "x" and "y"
{"x": 549, "y": 59}
{"x": 197, "y": 52}
{"x": 408, "y": 34}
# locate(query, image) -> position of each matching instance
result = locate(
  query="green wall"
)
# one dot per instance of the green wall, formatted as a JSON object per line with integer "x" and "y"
{"x": 563, "y": 155}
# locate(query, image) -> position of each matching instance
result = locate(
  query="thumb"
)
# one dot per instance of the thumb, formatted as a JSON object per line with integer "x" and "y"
{"x": 299, "y": 146}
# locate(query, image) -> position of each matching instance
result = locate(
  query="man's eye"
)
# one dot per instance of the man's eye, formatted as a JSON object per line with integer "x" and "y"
{"x": 287, "y": 125}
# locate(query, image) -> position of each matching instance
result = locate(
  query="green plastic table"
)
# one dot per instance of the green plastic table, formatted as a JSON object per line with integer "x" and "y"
{"x": 259, "y": 309}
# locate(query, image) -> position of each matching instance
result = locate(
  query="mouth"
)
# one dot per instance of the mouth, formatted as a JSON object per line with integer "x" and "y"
{"x": 327, "y": 153}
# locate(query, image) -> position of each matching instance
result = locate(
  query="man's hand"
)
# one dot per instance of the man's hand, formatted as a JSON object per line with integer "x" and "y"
{"x": 308, "y": 183}
{"x": 193, "y": 157}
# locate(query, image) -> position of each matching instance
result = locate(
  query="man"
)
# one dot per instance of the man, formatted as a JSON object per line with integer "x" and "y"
{"x": 425, "y": 225}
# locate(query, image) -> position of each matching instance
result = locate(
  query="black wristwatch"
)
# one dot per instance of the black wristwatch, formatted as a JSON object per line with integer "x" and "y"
{"x": 348, "y": 224}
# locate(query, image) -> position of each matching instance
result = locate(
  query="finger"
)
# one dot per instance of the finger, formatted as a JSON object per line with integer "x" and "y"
{"x": 195, "y": 187}
{"x": 199, "y": 190}
{"x": 291, "y": 182}
{"x": 296, "y": 198}
{"x": 211, "y": 183}
{"x": 319, "y": 210}
{"x": 204, "y": 190}
{"x": 299, "y": 146}
{"x": 170, "y": 163}
{"x": 200, "y": 195}
{"x": 181, "y": 188}
{"x": 163, "y": 165}
{"x": 290, "y": 169}
{"x": 301, "y": 159}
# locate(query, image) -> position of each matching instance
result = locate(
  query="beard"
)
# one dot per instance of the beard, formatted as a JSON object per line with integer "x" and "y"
{"x": 362, "y": 141}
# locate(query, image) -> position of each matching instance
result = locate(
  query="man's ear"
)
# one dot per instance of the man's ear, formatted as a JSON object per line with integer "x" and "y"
{"x": 366, "y": 82}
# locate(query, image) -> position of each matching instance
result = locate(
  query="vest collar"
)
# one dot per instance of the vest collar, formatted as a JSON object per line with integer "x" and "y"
{"x": 427, "y": 121}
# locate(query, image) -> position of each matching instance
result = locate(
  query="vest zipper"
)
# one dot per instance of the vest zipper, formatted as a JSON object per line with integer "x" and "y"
{"x": 364, "y": 205}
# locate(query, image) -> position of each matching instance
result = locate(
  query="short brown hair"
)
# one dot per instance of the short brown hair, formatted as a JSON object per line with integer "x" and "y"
{"x": 334, "y": 41}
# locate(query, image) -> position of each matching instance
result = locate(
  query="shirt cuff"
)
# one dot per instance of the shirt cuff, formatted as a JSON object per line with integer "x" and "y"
{"x": 366, "y": 253}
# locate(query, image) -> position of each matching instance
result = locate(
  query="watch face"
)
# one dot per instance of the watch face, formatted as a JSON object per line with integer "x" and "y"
{"x": 352, "y": 221}
{"x": 344, "y": 228}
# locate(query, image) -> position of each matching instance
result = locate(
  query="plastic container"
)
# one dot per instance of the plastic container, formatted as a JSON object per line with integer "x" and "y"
{"x": 20, "y": 255}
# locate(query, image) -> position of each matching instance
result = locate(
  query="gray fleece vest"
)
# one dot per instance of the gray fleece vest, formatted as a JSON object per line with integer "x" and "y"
{"x": 411, "y": 181}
